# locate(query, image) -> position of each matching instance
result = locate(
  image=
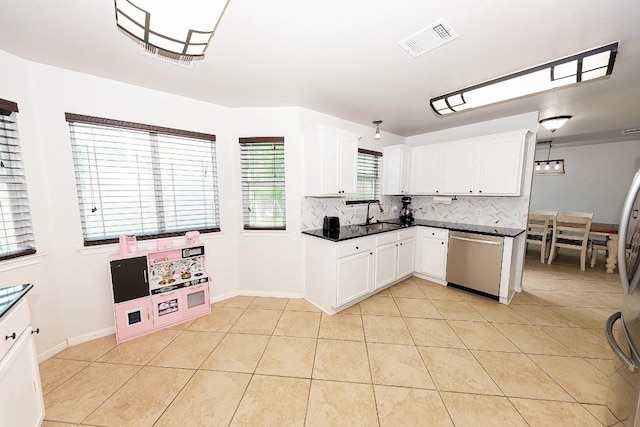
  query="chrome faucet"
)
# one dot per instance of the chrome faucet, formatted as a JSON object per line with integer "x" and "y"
{"x": 369, "y": 218}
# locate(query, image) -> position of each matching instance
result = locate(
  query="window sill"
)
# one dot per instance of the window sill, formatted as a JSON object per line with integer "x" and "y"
{"x": 24, "y": 261}
{"x": 145, "y": 246}
{"x": 264, "y": 233}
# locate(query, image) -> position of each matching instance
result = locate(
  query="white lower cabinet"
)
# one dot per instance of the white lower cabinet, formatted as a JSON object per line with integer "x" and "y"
{"x": 386, "y": 260}
{"x": 21, "y": 402}
{"x": 432, "y": 252}
{"x": 406, "y": 257}
{"x": 355, "y": 277}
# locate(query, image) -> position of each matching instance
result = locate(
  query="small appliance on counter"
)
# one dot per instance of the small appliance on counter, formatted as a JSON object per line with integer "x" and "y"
{"x": 330, "y": 226}
{"x": 406, "y": 213}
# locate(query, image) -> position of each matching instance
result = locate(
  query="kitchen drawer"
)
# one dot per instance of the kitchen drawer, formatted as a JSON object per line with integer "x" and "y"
{"x": 16, "y": 321}
{"x": 355, "y": 246}
{"x": 407, "y": 233}
{"x": 436, "y": 233}
{"x": 384, "y": 238}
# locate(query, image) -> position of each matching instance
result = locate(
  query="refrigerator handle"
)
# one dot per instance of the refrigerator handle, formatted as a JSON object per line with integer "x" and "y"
{"x": 627, "y": 212}
{"x": 633, "y": 367}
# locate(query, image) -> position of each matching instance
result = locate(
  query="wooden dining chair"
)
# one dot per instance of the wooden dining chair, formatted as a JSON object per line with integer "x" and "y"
{"x": 571, "y": 231}
{"x": 596, "y": 245}
{"x": 538, "y": 231}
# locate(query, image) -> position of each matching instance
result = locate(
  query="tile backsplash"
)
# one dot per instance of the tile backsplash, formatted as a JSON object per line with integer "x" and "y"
{"x": 508, "y": 212}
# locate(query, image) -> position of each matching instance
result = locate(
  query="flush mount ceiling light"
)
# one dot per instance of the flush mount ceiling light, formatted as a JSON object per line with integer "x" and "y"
{"x": 377, "y": 123}
{"x": 588, "y": 65}
{"x": 179, "y": 32}
{"x": 554, "y": 123}
{"x": 549, "y": 167}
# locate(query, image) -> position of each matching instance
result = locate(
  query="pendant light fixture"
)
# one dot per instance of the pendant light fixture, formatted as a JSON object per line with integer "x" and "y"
{"x": 549, "y": 167}
{"x": 377, "y": 123}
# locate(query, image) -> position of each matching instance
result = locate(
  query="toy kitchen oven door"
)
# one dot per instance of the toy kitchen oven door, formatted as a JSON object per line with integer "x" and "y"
{"x": 178, "y": 284}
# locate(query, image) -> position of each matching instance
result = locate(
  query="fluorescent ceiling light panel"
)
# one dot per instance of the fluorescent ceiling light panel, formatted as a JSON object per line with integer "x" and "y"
{"x": 588, "y": 65}
{"x": 177, "y": 28}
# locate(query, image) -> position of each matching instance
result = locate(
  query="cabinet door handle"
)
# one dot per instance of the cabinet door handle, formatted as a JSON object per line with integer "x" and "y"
{"x": 442, "y": 243}
{"x": 470, "y": 191}
{"x": 145, "y": 276}
{"x": 357, "y": 248}
{"x": 148, "y": 314}
{"x": 480, "y": 191}
{"x": 370, "y": 253}
{"x": 36, "y": 331}
{"x": 12, "y": 336}
{"x": 437, "y": 191}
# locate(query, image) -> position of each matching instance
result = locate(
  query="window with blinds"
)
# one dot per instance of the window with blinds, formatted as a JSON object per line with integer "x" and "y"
{"x": 263, "y": 189}
{"x": 369, "y": 167}
{"x": 142, "y": 180}
{"x": 16, "y": 232}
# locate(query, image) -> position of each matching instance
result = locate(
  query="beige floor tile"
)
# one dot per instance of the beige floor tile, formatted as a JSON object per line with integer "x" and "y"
{"x": 239, "y": 301}
{"x": 457, "y": 310}
{"x": 469, "y": 296}
{"x": 521, "y": 298}
{"x": 74, "y": 400}
{"x": 181, "y": 326}
{"x": 341, "y": 361}
{"x": 482, "y": 336}
{"x": 433, "y": 333}
{"x": 518, "y": 376}
{"x": 341, "y": 404}
{"x": 601, "y": 413}
{"x": 341, "y": 327}
{"x": 237, "y": 353}
{"x": 544, "y": 413}
{"x": 583, "y": 317}
{"x": 142, "y": 399}
{"x": 301, "y": 304}
{"x": 54, "y": 372}
{"x": 421, "y": 308}
{"x": 140, "y": 350}
{"x": 532, "y": 339}
{"x": 604, "y": 365}
{"x": 46, "y": 423}
{"x": 398, "y": 365}
{"x": 383, "y": 293}
{"x": 259, "y": 322}
{"x": 208, "y": 399}
{"x": 457, "y": 370}
{"x": 583, "y": 381}
{"x": 498, "y": 313}
{"x": 541, "y": 316}
{"x": 273, "y": 401}
{"x": 267, "y": 303}
{"x": 89, "y": 351}
{"x": 435, "y": 291}
{"x": 391, "y": 330}
{"x": 401, "y": 407}
{"x": 406, "y": 289}
{"x": 479, "y": 410}
{"x": 188, "y": 350}
{"x": 298, "y": 324}
{"x": 353, "y": 309}
{"x": 584, "y": 342}
{"x": 221, "y": 319}
{"x": 379, "y": 306}
{"x": 288, "y": 357}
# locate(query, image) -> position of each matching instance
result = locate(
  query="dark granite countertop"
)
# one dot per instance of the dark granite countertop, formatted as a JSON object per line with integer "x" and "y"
{"x": 9, "y": 296}
{"x": 354, "y": 231}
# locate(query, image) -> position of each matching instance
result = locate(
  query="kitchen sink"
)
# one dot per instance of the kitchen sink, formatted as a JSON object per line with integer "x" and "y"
{"x": 380, "y": 226}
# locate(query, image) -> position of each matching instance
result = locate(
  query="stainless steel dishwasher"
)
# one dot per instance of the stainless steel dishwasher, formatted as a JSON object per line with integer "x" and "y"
{"x": 474, "y": 262}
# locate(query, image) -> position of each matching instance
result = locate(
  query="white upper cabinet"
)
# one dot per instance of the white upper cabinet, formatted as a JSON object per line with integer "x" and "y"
{"x": 427, "y": 169}
{"x": 331, "y": 161}
{"x": 396, "y": 168}
{"x": 490, "y": 165}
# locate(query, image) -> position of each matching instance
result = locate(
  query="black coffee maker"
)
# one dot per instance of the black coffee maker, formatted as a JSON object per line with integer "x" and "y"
{"x": 406, "y": 213}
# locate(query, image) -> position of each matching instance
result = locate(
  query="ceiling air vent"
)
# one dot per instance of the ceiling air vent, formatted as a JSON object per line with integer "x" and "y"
{"x": 630, "y": 131}
{"x": 166, "y": 56}
{"x": 435, "y": 35}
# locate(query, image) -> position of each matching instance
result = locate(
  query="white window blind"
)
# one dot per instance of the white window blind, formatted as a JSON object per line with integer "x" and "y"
{"x": 143, "y": 180}
{"x": 369, "y": 167}
{"x": 16, "y": 232}
{"x": 263, "y": 189}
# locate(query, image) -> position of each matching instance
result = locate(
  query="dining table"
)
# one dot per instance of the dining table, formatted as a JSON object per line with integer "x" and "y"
{"x": 610, "y": 231}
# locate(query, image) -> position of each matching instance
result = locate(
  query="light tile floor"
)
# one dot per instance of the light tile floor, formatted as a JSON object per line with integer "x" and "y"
{"x": 415, "y": 354}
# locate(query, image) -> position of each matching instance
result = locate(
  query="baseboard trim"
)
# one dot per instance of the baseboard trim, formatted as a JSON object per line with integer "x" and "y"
{"x": 294, "y": 295}
{"x": 91, "y": 336}
{"x": 48, "y": 354}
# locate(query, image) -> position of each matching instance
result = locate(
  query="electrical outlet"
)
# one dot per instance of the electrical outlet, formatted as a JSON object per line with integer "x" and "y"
{"x": 478, "y": 212}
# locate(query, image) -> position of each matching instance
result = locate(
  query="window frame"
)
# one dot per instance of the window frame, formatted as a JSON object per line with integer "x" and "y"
{"x": 244, "y": 185}
{"x": 377, "y": 154}
{"x": 9, "y": 108}
{"x": 151, "y": 129}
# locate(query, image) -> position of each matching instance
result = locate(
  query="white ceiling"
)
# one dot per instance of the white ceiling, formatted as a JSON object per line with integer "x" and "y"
{"x": 341, "y": 57}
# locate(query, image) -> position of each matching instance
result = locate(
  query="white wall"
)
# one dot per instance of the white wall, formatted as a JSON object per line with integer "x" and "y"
{"x": 597, "y": 179}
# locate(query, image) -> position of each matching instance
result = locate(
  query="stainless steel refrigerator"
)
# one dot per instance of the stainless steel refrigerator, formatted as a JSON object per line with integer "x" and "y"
{"x": 623, "y": 398}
